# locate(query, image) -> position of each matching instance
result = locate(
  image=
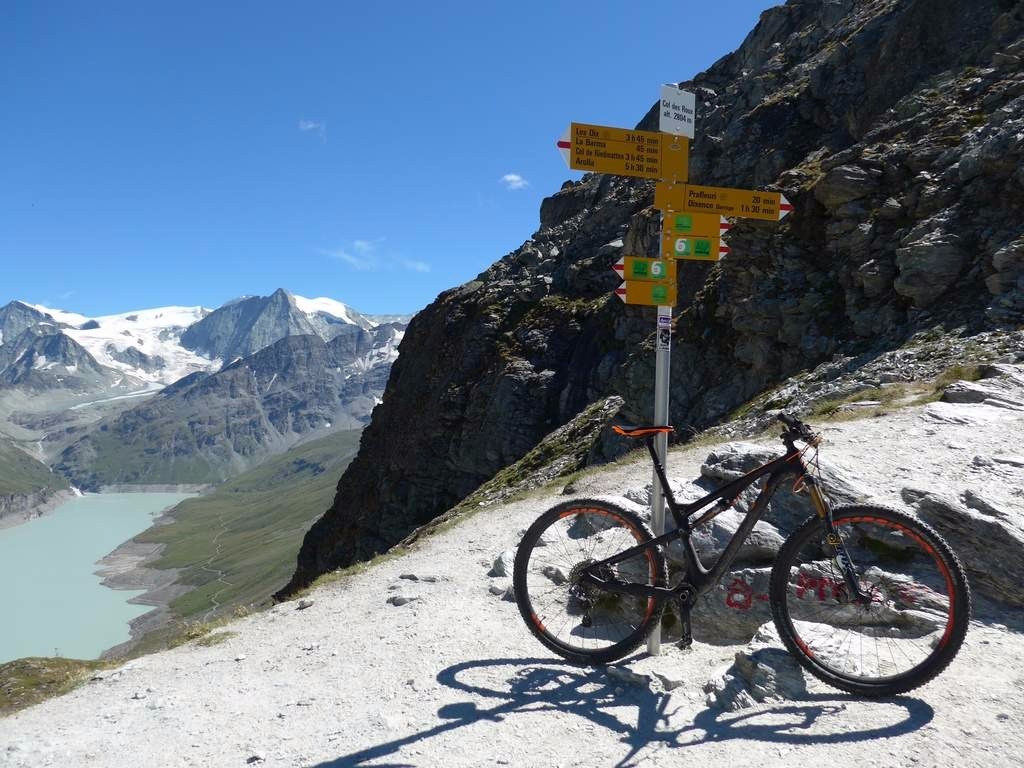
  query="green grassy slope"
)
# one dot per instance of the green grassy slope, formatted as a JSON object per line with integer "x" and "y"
{"x": 20, "y": 473}
{"x": 249, "y": 530}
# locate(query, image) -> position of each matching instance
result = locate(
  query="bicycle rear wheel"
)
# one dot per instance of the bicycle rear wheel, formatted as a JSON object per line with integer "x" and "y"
{"x": 912, "y": 622}
{"x": 583, "y": 624}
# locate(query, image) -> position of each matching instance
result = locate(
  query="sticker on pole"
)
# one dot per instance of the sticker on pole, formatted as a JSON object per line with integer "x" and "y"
{"x": 678, "y": 111}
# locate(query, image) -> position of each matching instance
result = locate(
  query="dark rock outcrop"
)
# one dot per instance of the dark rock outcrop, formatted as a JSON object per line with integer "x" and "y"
{"x": 895, "y": 129}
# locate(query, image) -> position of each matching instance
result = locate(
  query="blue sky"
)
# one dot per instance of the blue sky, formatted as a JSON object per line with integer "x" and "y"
{"x": 378, "y": 153}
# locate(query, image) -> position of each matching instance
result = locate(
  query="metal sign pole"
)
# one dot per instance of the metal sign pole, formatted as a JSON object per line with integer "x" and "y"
{"x": 663, "y": 347}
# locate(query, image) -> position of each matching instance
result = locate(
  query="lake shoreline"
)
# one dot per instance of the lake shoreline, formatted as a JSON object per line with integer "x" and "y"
{"x": 21, "y": 508}
{"x": 127, "y": 567}
{"x": 77, "y": 557}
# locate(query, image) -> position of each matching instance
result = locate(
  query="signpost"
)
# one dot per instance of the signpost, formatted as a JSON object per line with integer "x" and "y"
{"x": 639, "y": 268}
{"x": 662, "y": 353}
{"x": 693, "y": 248}
{"x": 644, "y": 154}
{"x": 693, "y": 223}
{"x": 678, "y": 111}
{"x": 650, "y": 294}
{"x": 722, "y": 201}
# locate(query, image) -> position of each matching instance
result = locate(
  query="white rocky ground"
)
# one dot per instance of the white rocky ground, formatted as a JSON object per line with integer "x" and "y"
{"x": 389, "y": 670}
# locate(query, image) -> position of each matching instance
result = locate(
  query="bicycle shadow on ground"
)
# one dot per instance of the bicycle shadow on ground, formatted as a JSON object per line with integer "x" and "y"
{"x": 541, "y": 685}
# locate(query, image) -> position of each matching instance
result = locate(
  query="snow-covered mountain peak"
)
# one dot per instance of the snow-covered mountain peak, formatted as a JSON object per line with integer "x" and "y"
{"x": 330, "y": 307}
{"x": 143, "y": 344}
{"x": 158, "y": 346}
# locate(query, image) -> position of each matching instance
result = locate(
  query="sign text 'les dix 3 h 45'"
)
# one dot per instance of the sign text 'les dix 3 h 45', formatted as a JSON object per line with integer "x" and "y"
{"x": 693, "y": 222}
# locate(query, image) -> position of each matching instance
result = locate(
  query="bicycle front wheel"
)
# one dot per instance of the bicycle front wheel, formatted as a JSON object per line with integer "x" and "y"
{"x": 910, "y": 622}
{"x": 585, "y": 624}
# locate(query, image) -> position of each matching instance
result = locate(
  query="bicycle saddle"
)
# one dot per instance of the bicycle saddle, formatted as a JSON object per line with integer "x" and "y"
{"x": 640, "y": 431}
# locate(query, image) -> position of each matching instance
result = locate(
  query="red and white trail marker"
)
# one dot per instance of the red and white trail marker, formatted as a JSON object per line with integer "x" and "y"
{"x": 784, "y": 207}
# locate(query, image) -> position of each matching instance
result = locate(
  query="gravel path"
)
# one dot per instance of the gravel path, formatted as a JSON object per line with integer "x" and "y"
{"x": 451, "y": 677}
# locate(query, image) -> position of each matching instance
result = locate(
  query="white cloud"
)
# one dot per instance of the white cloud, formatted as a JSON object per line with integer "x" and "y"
{"x": 367, "y": 256}
{"x": 363, "y": 265}
{"x": 320, "y": 128}
{"x": 514, "y": 181}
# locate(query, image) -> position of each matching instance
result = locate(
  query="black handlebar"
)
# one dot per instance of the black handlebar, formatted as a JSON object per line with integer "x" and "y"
{"x": 788, "y": 420}
{"x": 797, "y": 430}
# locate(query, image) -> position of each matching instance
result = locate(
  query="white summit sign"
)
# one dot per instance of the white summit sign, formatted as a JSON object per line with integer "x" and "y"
{"x": 677, "y": 111}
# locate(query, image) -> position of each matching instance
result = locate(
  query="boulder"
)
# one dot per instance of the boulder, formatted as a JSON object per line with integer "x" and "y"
{"x": 503, "y": 564}
{"x": 733, "y": 610}
{"x": 787, "y": 509}
{"x": 845, "y": 183}
{"x": 928, "y": 267}
{"x": 762, "y": 672}
{"x": 1008, "y": 262}
{"x": 990, "y": 546}
{"x": 981, "y": 392}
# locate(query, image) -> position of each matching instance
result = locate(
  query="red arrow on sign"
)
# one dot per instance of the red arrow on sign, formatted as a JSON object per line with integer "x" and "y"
{"x": 723, "y": 226}
{"x": 784, "y": 207}
{"x": 620, "y": 267}
{"x": 565, "y": 146}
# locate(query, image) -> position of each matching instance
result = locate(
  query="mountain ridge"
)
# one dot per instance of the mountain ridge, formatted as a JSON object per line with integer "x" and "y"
{"x": 282, "y": 367}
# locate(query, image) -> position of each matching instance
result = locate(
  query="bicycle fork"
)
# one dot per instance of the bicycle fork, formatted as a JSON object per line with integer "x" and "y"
{"x": 834, "y": 540}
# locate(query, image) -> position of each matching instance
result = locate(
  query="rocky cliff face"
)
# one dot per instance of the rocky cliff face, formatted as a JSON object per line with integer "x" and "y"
{"x": 896, "y": 127}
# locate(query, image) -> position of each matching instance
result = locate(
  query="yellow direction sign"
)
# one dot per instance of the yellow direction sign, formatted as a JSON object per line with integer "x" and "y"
{"x": 648, "y": 294}
{"x": 639, "y": 268}
{"x": 723, "y": 201}
{"x": 694, "y": 225}
{"x": 645, "y": 154}
{"x": 695, "y": 248}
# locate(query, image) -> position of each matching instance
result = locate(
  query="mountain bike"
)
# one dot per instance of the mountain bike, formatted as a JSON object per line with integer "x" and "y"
{"x": 866, "y": 598}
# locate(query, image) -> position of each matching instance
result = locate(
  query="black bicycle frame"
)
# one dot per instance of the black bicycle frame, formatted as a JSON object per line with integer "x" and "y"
{"x": 699, "y": 577}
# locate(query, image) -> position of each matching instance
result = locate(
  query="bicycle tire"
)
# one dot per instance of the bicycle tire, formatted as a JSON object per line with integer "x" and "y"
{"x": 557, "y": 610}
{"x": 916, "y": 618}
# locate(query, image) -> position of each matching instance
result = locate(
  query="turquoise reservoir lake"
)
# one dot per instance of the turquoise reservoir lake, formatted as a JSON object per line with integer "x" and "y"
{"x": 53, "y": 602}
